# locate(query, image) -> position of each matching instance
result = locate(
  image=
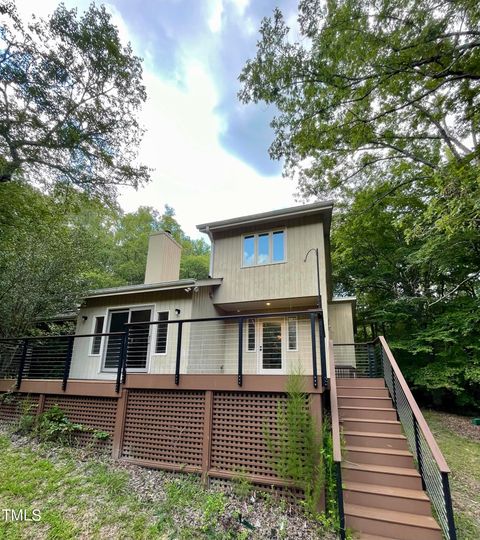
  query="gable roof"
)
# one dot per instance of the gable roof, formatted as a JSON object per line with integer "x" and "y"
{"x": 324, "y": 207}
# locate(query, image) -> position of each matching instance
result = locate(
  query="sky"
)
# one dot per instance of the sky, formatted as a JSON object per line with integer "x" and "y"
{"x": 209, "y": 152}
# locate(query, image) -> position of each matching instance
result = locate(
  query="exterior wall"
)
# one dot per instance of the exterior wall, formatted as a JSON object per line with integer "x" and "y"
{"x": 340, "y": 322}
{"x": 88, "y": 366}
{"x": 163, "y": 259}
{"x": 290, "y": 279}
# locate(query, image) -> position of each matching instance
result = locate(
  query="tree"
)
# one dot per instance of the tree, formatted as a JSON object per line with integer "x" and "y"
{"x": 42, "y": 259}
{"x": 69, "y": 95}
{"x": 378, "y": 105}
{"x": 372, "y": 91}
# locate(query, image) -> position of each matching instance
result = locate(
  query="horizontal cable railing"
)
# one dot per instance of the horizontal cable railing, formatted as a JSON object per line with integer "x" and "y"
{"x": 430, "y": 461}
{"x": 357, "y": 360}
{"x": 50, "y": 357}
{"x": 336, "y": 442}
{"x": 259, "y": 343}
{"x": 375, "y": 359}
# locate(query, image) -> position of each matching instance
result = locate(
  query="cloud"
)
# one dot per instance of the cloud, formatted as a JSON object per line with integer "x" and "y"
{"x": 222, "y": 36}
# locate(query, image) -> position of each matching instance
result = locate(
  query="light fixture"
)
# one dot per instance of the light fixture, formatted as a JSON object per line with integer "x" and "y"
{"x": 177, "y": 311}
{"x": 85, "y": 318}
{"x": 188, "y": 289}
{"x": 196, "y": 289}
{"x": 268, "y": 303}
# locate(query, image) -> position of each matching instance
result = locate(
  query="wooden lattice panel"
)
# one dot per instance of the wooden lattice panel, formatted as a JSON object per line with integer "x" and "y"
{"x": 92, "y": 412}
{"x": 165, "y": 427}
{"x": 12, "y": 406}
{"x": 238, "y": 431}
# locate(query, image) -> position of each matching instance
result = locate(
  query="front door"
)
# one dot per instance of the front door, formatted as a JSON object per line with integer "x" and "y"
{"x": 271, "y": 347}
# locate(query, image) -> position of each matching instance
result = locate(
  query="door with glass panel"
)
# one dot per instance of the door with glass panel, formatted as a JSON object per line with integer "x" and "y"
{"x": 271, "y": 346}
{"x": 138, "y": 338}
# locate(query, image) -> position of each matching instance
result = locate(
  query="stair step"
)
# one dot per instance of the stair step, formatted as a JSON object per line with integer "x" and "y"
{"x": 362, "y": 381}
{"x": 375, "y": 440}
{"x": 361, "y": 391}
{"x": 379, "y": 456}
{"x": 372, "y": 537}
{"x": 382, "y": 475}
{"x": 371, "y": 402}
{"x": 387, "y": 497}
{"x": 386, "y": 413}
{"x": 372, "y": 425}
{"x": 398, "y": 525}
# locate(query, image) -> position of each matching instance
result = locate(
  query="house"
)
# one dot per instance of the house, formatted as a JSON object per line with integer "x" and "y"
{"x": 257, "y": 266}
{"x": 185, "y": 375}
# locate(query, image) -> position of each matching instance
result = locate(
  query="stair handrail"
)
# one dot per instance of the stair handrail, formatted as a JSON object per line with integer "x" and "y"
{"x": 336, "y": 441}
{"x": 422, "y": 423}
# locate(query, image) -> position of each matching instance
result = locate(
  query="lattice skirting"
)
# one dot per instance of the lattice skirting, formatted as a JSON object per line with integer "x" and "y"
{"x": 220, "y": 434}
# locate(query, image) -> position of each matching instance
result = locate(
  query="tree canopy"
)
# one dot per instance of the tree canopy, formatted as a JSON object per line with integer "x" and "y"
{"x": 55, "y": 247}
{"x": 69, "y": 97}
{"x": 378, "y": 107}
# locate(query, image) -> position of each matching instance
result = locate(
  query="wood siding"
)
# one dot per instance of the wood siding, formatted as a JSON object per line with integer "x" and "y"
{"x": 340, "y": 322}
{"x": 290, "y": 279}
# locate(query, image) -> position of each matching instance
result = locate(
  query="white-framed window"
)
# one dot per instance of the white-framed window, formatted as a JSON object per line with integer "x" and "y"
{"x": 97, "y": 340}
{"x": 251, "y": 336}
{"x": 162, "y": 333}
{"x": 264, "y": 248}
{"x": 138, "y": 337}
{"x": 292, "y": 326}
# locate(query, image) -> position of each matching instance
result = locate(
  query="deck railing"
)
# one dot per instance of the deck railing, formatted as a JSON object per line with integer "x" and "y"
{"x": 228, "y": 344}
{"x": 375, "y": 359}
{"x": 336, "y": 442}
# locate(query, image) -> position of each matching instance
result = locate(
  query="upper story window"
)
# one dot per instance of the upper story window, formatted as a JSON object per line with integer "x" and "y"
{"x": 264, "y": 248}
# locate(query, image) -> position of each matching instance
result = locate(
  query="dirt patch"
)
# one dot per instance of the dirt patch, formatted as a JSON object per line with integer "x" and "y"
{"x": 461, "y": 425}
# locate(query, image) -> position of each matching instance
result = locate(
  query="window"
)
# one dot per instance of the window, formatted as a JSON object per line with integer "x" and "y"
{"x": 162, "y": 333}
{"x": 251, "y": 335}
{"x": 292, "y": 333}
{"x": 264, "y": 248}
{"x": 97, "y": 340}
{"x": 138, "y": 338}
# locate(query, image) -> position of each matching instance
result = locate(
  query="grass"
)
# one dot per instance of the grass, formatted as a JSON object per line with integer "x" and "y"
{"x": 463, "y": 457}
{"x": 69, "y": 497}
{"x": 83, "y": 496}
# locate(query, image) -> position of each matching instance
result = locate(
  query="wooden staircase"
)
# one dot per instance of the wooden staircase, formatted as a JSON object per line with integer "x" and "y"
{"x": 382, "y": 489}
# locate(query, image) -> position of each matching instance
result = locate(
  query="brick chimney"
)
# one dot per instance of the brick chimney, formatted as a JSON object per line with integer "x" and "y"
{"x": 163, "y": 258}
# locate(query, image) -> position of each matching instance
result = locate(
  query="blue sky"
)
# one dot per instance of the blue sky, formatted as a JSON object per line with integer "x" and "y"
{"x": 209, "y": 151}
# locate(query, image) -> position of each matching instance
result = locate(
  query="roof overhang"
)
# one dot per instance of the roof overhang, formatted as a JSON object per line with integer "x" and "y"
{"x": 325, "y": 208}
{"x": 154, "y": 287}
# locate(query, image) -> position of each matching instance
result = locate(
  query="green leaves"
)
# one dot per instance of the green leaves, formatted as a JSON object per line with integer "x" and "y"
{"x": 69, "y": 102}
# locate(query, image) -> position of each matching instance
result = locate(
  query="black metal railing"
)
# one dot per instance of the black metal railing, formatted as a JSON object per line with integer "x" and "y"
{"x": 204, "y": 345}
{"x": 46, "y": 357}
{"x": 375, "y": 359}
{"x": 221, "y": 344}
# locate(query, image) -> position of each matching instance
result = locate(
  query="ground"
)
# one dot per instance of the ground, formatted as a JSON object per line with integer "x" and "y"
{"x": 459, "y": 441}
{"x": 83, "y": 496}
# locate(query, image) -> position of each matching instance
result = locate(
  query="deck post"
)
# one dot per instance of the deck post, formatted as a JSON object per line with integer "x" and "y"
{"x": 323, "y": 353}
{"x": 452, "y": 532}
{"x": 179, "y": 353}
{"x": 240, "y": 351}
{"x": 418, "y": 449}
{"x": 207, "y": 437}
{"x": 117, "y": 441}
{"x": 314, "y": 350}
{"x": 21, "y": 367}
{"x": 68, "y": 362}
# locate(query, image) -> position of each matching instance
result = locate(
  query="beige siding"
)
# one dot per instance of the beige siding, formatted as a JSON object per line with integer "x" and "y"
{"x": 340, "y": 322}
{"x": 291, "y": 279}
{"x": 87, "y": 366}
{"x": 163, "y": 259}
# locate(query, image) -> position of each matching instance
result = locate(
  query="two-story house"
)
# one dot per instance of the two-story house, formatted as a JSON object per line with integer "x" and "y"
{"x": 258, "y": 265}
{"x": 187, "y": 375}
